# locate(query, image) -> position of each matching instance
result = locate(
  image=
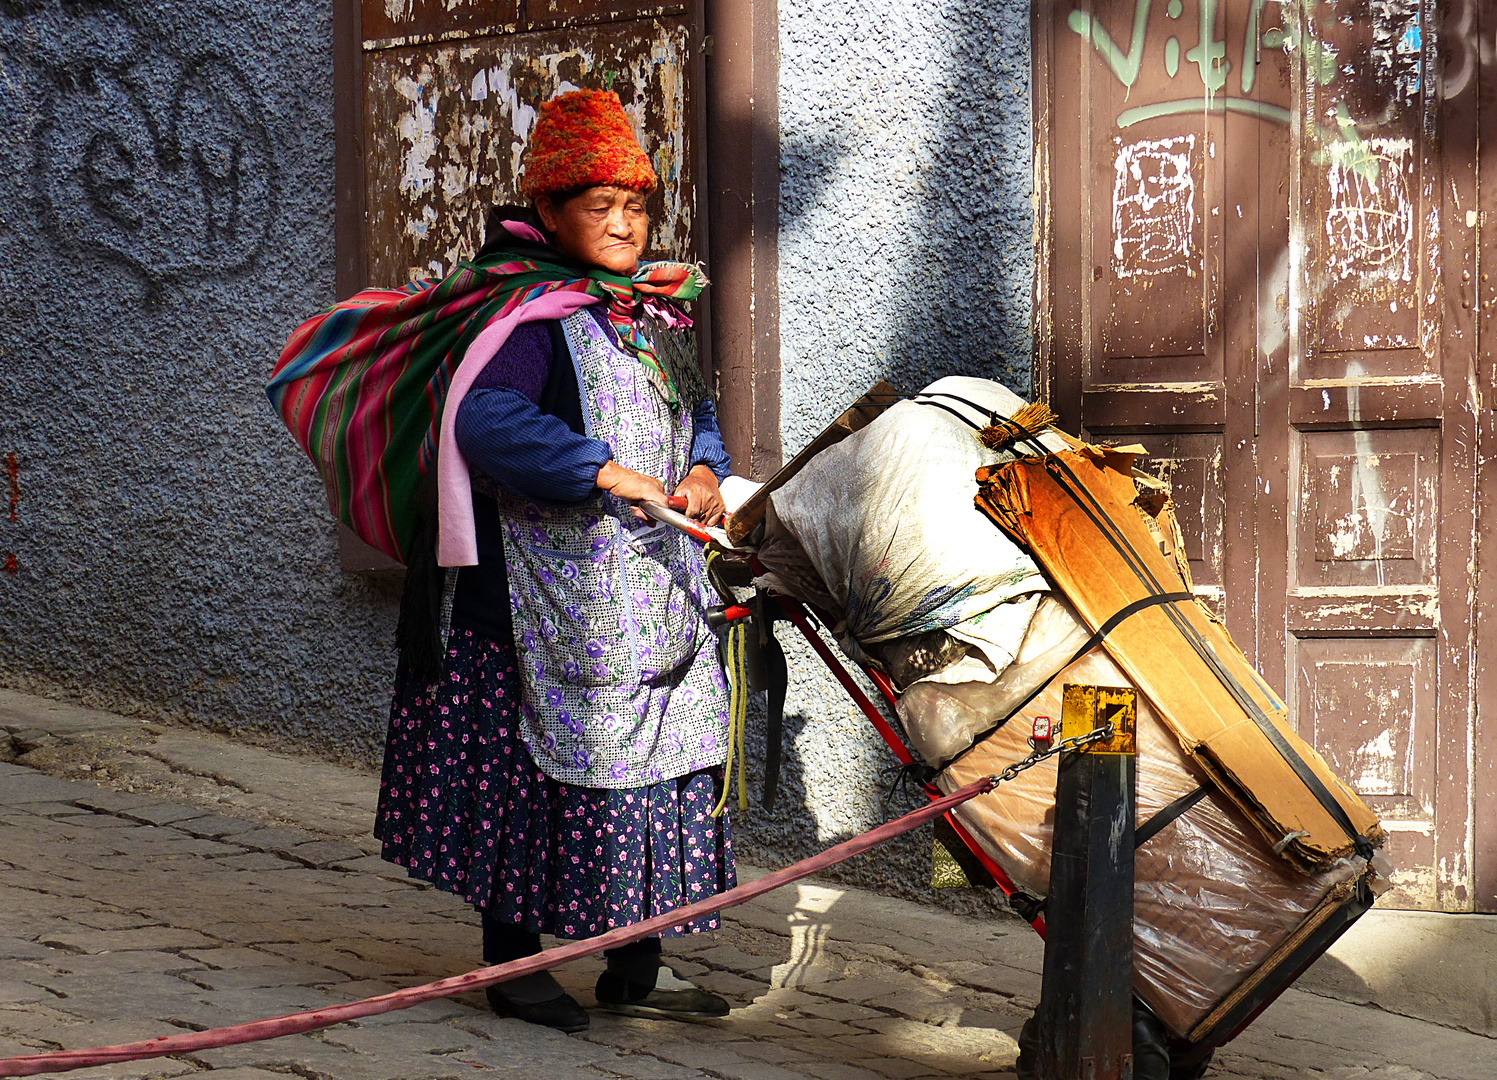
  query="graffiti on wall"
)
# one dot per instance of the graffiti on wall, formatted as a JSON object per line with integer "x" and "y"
{"x": 1362, "y": 66}
{"x": 1394, "y": 55}
{"x": 150, "y": 152}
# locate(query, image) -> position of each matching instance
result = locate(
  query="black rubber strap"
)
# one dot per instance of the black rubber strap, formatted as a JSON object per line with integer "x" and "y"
{"x": 1166, "y": 816}
{"x": 993, "y": 417}
{"x": 1091, "y": 643}
{"x": 953, "y": 412}
{"x": 778, "y": 678}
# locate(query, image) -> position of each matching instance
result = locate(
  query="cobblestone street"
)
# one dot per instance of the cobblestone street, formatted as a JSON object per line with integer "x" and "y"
{"x": 253, "y": 892}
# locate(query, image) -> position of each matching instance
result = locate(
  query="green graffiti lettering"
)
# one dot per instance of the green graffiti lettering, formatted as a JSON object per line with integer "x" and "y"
{"x": 1125, "y": 67}
{"x": 1209, "y": 55}
{"x": 1260, "y": 109}
{"x": 1250, "y": 47}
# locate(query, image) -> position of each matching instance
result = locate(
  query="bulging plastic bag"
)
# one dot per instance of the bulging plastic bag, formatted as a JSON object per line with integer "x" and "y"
{"x": 886, "y": 519}
{"x": 945, "y": 713}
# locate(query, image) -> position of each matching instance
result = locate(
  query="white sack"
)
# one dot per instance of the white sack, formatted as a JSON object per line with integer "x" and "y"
{"x": 886, "y": 518}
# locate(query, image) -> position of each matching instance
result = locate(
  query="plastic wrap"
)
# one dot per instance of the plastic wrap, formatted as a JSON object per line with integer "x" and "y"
{"x": 1211, "y": 900}
{"x": 943, "y": 715}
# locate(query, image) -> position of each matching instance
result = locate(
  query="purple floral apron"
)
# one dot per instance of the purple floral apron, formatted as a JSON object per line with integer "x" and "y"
{"x": 622, "y": 682}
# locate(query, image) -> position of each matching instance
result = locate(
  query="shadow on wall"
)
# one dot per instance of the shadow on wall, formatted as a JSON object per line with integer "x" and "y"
{"x": 906, "y": 254}
{"x": 969, "y": 286}
{"x": 145, "y": 151}
{"x": 837, "y": 779}
{"x": 906, "y": 223}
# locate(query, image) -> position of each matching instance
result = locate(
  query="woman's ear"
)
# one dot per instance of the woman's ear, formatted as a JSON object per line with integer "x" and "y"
{"x": 546, "y": 210}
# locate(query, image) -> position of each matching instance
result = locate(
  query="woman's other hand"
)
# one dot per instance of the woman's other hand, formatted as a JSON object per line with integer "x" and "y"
{"x": 630, "y": 485}
{"x": 704, "y": 501}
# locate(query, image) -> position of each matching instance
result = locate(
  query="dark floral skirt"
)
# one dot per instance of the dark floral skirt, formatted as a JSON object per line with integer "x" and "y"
{"x": 464, "y": 806}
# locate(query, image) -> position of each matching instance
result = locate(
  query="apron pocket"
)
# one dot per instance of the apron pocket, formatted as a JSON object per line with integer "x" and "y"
{"x": 573, "y": 625}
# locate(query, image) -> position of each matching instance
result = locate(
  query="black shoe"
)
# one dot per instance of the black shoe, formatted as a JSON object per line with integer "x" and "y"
{"x": 670, "y": 998}
{"x": 562, "y": 1013}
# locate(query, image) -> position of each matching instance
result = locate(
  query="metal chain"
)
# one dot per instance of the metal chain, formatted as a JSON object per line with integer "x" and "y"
{"x": 1101, "y": 734}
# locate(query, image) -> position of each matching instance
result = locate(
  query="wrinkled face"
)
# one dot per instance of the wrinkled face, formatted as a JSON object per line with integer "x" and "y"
{"x": 601, "y": 226}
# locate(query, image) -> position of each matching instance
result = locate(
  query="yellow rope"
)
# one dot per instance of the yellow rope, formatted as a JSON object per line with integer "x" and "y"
{"x": 737, "y": 716}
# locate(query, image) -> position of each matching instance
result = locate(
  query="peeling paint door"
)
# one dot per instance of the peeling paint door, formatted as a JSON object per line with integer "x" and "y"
{"x": 1257, "y": 261}
{"x": 449, "y": 90}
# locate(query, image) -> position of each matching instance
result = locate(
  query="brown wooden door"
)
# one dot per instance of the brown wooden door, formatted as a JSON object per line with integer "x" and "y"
{"x": 1257, "y": 261}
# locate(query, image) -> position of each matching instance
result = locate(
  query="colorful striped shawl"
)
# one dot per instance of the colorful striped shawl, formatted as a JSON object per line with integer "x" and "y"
{"x": 362, "y": 386}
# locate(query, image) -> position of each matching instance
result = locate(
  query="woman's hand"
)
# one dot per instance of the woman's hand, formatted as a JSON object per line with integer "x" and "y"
{"x": 704, "y": 501}
{"x": 630, "y": 485}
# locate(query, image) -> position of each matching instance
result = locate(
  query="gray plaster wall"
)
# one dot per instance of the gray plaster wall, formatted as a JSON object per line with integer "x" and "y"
{"x": 166, "y": 218}
{"x": 905, "y": 253}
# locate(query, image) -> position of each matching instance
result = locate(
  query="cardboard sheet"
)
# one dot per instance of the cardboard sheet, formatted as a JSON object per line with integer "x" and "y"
{"x": 1075, "y": 512}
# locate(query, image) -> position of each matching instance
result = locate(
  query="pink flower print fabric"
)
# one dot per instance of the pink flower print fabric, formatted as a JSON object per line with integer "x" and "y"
{"x": 464, "y": 806}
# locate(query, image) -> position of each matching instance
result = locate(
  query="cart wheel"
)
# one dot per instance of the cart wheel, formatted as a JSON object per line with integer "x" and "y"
{"x": 1027, "y": 1067}
{"x": 1195, "y": 1070}
{"x": 1151, "y": 1048}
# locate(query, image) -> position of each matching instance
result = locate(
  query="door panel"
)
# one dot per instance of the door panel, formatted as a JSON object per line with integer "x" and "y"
{"x": 1259, "y": 234}
{"x": 1191, "y": 463}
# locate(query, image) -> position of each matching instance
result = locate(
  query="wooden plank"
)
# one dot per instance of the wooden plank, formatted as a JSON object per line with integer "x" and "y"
{"x": 1362, "y": 403}
{"x": 1043, "y": 370}
{"x": 742, "y": 199}
{"x": 1393, "y": 610}
{"x": 1069, "y": 193}
{"x": 1453, "y": 250}
{"x": 350, "y": 250}
{"x": 1154, "y": 408}
{"x": 548, "y": 14}
{"x": 1484, "y": 643}
{"x": 1261, "y": 451}
{"x": 412, "y": 21}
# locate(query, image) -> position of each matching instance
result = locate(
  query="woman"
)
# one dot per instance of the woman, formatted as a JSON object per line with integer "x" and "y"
{"x": 560, "y": 771}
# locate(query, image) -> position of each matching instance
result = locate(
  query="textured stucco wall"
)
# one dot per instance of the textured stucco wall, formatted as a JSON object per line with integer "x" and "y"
{"x": 167, "y": 194}
{"x": 905, "y": 254}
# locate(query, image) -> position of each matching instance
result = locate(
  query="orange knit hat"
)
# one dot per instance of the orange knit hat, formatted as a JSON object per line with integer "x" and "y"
{"x": 583, "y": 139}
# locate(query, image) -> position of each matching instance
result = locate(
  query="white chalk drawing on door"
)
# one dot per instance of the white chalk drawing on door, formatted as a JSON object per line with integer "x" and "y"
{"x": 1154, "y": 208}
{"x": 1369, "y": 218}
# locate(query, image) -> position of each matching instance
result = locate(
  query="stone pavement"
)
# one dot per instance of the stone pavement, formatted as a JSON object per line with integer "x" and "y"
{"x": 235, "y": 883}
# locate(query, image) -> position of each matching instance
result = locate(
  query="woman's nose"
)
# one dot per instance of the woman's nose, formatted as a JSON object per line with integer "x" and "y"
{"x": 618, "y": 223}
